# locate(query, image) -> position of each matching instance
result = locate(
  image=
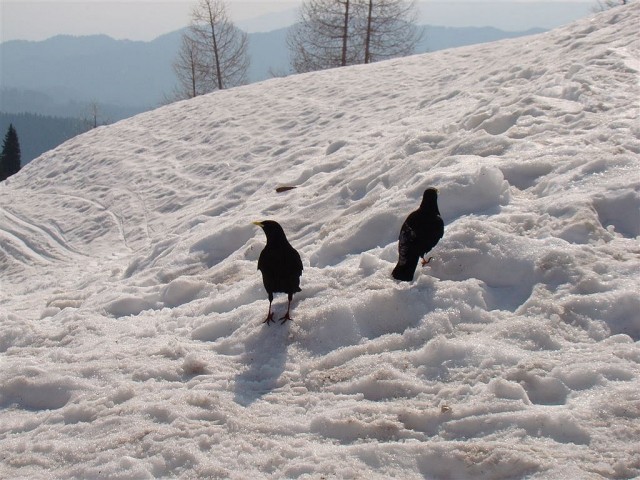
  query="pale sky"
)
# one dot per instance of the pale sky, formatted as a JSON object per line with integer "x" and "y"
{"x": 147, "y": 19}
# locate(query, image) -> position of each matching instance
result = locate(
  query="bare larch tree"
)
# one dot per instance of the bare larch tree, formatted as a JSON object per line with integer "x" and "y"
{"x": 213, "y": 54}
{"x": 390, "y": 29}
{"x": 602, "y": 5}
{"x": 335, "y": 33}
{"x": 322, "y": 38}
{"x": 189, "y": 69}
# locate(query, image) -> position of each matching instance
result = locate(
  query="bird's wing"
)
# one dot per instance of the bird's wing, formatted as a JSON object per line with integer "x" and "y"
{"x": 298, "y": 261}
{"x": 406, "y": 242}
{"x": 440, "y": 227}
{"x": 292, "y": 263}
{"x": 434, "y": 234}
{"x": 261, "y": 261}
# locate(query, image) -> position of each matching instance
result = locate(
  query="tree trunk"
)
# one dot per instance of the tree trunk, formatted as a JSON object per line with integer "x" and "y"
{"x": 216, "y": 55}
{"x": 345, "y": 34}
{"x": 367, "y": 41}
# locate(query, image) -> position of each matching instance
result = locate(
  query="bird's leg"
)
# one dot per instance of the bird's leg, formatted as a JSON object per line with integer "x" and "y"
{"x": 286, "y": 315}
{"x": 269, "y": 318}
{"x": 426, "y": 262}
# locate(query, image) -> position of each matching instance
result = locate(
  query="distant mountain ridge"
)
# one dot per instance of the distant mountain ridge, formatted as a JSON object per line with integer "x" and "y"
{"x": 62, "y": 75}
{"x": 441, "y": 38}
{"x": 93, "y": 68}
{"x": 76, "y": 77}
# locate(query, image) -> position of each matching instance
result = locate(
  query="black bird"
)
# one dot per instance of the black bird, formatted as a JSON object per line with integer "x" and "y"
{"x": 280, "y": 265}
{"x": 420, "y": 232}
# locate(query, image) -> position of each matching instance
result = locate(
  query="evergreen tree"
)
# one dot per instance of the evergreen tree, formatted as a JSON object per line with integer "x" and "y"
{"x": 10, "y": 158}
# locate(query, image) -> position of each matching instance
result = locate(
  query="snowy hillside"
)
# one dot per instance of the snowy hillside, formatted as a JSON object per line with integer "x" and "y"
{"x": 131, "y": 334}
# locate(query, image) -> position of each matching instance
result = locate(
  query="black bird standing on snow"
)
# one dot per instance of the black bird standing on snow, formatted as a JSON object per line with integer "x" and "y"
{"x": 280, "y": 265}
{"x": 420, "y": 232}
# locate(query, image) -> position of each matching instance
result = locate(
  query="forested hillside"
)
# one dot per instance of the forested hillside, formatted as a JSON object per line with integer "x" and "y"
{"x": 39, "y": 133}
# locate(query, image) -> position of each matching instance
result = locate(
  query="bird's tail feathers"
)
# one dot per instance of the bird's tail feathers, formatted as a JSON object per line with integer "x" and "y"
{"x": 404, "y": 270}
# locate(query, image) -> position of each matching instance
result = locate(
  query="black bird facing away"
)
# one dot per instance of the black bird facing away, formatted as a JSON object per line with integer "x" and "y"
{"x": 280, "y": 265}
{"x": 420, "y": 232}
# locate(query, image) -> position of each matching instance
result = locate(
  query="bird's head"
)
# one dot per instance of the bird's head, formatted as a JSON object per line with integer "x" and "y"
{"x": 272, "y": 229}
{"x": 430, "y": 197}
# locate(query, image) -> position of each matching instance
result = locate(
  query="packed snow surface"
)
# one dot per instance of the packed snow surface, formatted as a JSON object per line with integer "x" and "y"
{"x": 131, "y": 309}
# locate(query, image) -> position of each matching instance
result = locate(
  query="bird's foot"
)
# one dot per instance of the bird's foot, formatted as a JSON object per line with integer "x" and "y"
{"x": 269, "y": 319}
{"x": 427, "y": 261}
{"x": 285, "y": 318}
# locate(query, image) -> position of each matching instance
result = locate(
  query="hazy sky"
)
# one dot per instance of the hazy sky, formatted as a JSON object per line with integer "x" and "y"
{"x": 147, "y": 19}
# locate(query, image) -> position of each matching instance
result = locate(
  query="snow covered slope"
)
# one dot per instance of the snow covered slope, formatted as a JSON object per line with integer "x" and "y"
{"x": 131, "y": 342}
